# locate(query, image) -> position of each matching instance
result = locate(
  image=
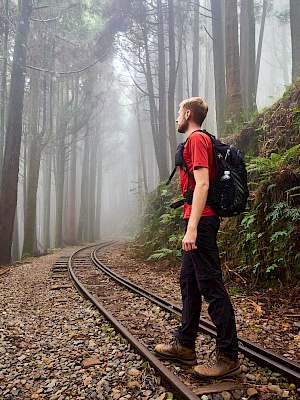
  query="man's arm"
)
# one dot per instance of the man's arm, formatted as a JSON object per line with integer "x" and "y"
{"x": 201, "y": 176}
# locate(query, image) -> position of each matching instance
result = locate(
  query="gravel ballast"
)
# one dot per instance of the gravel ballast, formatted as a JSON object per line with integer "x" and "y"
{"x": 55, "y": 344}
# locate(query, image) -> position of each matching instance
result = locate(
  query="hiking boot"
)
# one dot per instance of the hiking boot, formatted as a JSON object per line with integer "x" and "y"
{"x": 218, "y": 366}
{"x": 177, "y": 352}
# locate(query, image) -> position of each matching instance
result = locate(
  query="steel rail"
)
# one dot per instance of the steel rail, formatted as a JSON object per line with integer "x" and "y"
{"x": 262, "y": 356}
{"x": 171, "y": 381}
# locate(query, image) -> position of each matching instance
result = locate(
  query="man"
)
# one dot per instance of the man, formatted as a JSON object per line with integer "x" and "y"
{"x": 201, "y": 272}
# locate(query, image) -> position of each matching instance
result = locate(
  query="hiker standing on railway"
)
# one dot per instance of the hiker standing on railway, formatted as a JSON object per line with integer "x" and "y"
{"x": 201, "y": 271}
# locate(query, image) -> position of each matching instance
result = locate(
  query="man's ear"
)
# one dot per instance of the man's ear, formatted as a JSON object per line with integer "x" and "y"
{"x": 187, "y": 114}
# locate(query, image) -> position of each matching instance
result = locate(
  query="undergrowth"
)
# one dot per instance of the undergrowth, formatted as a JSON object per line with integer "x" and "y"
{"x": 160, "y": 233}
{"x": 262, "y": 245}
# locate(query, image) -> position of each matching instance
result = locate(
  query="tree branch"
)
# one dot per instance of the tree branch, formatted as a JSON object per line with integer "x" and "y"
{"x": 54, "y": 18}
{"x": 66, "y": 72}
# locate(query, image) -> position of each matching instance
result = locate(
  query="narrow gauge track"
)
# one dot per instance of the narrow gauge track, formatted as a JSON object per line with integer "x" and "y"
{"x": 78, "y": 263}
{"x": 261, "y": 355}
{"x": 80, "y": 260}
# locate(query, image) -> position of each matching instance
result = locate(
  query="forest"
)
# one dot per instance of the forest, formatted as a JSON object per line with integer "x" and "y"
{"x": 89, "y": 96}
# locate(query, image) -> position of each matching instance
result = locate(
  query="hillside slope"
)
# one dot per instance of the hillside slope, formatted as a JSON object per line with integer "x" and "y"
{"x": 262, "y": 244}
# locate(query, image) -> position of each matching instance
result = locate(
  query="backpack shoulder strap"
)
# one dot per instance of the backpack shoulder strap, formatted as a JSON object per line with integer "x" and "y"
{"x": 171, "y": 176}
{"x": 213, "y": 138}
{"x": 178, "y": 160}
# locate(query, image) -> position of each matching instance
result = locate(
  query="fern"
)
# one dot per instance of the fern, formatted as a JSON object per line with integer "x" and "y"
{"x": 278, "y": 235}
{"x": 160, "y": 254}
{"x": 293, "y": 189}
{"x": 283, "y": 210}
{"x": 266, "y": 166}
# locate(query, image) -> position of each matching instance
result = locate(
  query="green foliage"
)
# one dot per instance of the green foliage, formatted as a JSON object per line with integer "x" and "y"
{"x": 235, "y": 290}
{"x": 161, "y": 228}
{"x": 25, "y": 257}
{"x": 263, "y": 244}
{"x": 54, "y": 250}
{"x": 81, "y": 22}
{"x": 265, "y": 167}
{"x": 283, "y": 211}
{"x": 268, "y": 237}
{"x": 270, "y": 248}
{"x": 160, "y": 253}
{"x": 235, "y": 124}
{"x": 283, "y": 16}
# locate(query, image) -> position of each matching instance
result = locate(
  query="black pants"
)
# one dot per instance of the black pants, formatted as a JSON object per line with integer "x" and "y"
{"x": 201, "y": 276}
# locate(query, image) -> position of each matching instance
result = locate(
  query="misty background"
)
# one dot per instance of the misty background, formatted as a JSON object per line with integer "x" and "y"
{"x": 102, "y": 85}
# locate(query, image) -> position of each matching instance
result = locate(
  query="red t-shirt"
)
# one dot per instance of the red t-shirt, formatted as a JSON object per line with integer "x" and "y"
{"x": 198, "y": 152}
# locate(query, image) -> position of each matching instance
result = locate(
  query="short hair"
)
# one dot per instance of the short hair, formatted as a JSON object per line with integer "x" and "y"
{"x": 197, "y": 106}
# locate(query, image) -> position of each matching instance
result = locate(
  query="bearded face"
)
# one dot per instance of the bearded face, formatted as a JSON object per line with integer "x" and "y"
{"x": 182, "y": 127}
{"x": 182, "y": 123}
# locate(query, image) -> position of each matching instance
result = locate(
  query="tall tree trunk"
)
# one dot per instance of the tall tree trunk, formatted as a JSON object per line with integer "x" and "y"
{"x": 179, "y": 18}
{"x": 152, "y": 104}
{"x": 83, "y": 202}
{"x": 209, "y": 86}
{"x": 156, "y": 116}
{"x": 172, "y": 81}
{"x": 92, "y": 188}
{"x": 9, "y": 182}
{"x": 196, "y": 50}
{"x": 60, "y": 186}
{"x": 34, "y": 167}
{"x": 219, "y": 64}
{"x": 180, "y": 80}
{"x": 48, "y": 184}
{"x": 295, "y": 37}
{"x": 285, "y": 57}
{"x": 60, "y": 169}
{"x": 47, "y": 200}
{"x": 99, "y": 196}
{"x": 3, "y": 89}
{"x": 25, "y": 168}
{"x": 233, "y": 81}
{"x": 162, "y": 123}
{"x": 259, "y": 45}
{"x": 16, "y": 241}
{"x": 71, "y": 210}
{"x": 247, "y": 57}
{"x": 187, "y": 68}
{"x": 142, "y": 155}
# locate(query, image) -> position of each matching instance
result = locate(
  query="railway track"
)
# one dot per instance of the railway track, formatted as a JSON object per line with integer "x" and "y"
{"x": 141, "y": 328}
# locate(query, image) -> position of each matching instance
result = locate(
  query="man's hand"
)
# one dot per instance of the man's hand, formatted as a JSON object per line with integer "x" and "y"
{"x": 201, "y": 176}
{"x": 189, "y": 240}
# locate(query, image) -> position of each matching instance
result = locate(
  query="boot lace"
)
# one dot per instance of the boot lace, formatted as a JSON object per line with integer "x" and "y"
{"x": 174, "y": 342}
{"x": 213, "y": 359}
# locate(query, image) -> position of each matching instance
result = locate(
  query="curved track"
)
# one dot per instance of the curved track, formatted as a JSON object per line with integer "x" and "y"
{"x": 82, "y": 259}
{"x": 168, "y": 378}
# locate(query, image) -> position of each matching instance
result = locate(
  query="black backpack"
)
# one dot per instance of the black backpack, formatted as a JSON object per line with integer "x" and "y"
{"x": 228, "y": 191}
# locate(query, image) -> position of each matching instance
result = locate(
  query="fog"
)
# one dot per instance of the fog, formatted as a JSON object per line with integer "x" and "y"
{"x": 96, "y": 115}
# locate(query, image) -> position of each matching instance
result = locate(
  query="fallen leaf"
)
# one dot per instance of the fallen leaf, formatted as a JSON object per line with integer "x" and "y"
{"x": 133, "y": 385}
{"x": 297, "y": 338}
{"x": 258, "y": 308}
{"x": 226, "y": 395}
{"x": 252, "y": 392}
{"x": 90, "y": 362}
{"x": 275, "y": 389}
